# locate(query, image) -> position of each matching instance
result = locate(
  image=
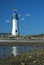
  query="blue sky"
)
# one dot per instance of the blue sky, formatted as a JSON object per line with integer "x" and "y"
{"x": 31, "y": 16}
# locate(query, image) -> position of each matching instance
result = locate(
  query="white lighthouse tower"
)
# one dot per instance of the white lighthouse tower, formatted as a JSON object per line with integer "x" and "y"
{"x": 15, "y": 23}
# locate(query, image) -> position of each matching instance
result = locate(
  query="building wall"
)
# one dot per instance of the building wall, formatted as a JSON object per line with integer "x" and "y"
{"x": 5, "y": 34}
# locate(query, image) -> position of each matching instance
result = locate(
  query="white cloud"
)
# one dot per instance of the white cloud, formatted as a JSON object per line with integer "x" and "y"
{"x": 23, "y": 19}
{"x": 28, "y": 15}
{"x": 19, "y": 15}
{"x": 7, "y": 21}
{"x": 43, "y": 15}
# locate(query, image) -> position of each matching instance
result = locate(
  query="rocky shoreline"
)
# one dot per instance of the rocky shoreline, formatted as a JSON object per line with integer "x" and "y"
{"x": 34, "y": 58}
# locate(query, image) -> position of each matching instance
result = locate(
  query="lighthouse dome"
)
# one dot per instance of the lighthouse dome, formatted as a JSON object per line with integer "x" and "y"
{"x": 15, "y": 16}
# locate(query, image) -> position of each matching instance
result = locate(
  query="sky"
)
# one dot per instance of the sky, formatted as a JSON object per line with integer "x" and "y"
{"x": 30, "y": 12}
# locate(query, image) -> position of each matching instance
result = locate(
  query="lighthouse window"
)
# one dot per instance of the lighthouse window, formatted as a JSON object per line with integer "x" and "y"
{"x": 16, "y": 30}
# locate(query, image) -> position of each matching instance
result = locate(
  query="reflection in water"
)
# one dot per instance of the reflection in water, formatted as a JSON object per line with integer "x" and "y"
{"x": 14, "y": 50}
{"x": 6, "y": 51}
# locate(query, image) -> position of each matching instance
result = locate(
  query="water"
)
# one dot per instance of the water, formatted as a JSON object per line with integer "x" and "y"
{"x": 6, "y": 51}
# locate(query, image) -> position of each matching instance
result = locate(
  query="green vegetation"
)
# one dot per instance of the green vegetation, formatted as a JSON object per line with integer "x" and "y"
{"x": 15, "y": 37}
{"x": 34, "y": 58}
{"x": 23, "y": 37}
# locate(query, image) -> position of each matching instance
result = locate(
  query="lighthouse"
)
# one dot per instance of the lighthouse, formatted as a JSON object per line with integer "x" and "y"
{"x": 14, "y": 29}
{"x": 15, "y": 23}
